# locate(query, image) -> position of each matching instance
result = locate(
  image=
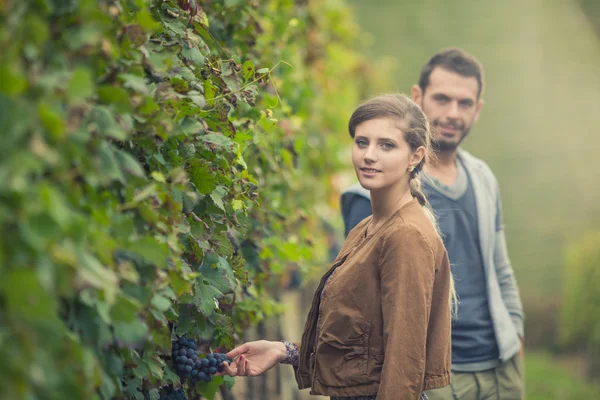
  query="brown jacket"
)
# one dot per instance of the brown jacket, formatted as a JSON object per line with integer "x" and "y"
{"x": 382, "y": 324}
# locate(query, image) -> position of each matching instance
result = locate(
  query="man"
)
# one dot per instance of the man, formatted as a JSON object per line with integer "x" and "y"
{"x": 487, "y": 356}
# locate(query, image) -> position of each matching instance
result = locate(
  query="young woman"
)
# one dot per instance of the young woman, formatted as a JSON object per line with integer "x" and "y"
{"x": 379, "y": 326}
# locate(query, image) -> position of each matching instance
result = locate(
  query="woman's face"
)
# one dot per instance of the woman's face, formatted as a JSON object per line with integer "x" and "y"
{"x": 381, "y": 156}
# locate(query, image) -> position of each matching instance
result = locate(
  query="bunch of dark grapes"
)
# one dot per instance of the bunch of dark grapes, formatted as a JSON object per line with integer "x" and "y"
{"x": 206, "y": 367}
{"x": 170, "y": 393}
{"x": 184, "y": 356}
{"x": 189, "y": 365}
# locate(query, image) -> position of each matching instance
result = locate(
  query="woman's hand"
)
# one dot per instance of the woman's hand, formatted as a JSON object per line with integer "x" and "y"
{"x": 255, "y": 358}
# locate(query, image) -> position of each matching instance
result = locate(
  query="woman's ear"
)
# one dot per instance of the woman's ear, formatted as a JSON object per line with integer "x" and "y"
{"x": 417, "y": 156}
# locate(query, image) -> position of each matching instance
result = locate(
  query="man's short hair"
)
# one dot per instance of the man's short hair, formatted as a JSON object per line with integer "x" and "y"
{"x": 454, "y": 60}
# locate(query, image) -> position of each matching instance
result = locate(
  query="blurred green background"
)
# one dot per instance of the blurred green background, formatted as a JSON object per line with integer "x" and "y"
{"x": 538, "y": 132}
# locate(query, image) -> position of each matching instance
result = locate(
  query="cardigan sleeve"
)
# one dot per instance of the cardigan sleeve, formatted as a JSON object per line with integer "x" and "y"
{"x": 504, "y": 270}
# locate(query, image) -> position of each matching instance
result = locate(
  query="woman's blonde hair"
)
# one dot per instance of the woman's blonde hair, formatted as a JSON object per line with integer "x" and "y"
{"x": 417, "y": 133}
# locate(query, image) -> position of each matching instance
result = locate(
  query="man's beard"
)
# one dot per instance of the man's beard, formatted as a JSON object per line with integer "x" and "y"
{"x": 441, "y": 145}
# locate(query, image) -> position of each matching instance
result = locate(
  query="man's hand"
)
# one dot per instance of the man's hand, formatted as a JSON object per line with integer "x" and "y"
{"x": 522, "y": 351}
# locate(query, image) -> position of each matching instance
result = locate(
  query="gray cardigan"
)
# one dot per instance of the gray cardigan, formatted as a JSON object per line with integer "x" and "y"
{"x": 503, "y": 294}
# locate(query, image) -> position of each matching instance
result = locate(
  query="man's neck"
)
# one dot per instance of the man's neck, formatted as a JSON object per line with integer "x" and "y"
{"x": 444, "y": 159}
{"x": 443, "y": 167}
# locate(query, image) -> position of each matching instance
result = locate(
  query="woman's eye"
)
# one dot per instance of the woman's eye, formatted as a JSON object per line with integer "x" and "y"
{"x": 361, "y": 143}
{"x": 387, "y": 146}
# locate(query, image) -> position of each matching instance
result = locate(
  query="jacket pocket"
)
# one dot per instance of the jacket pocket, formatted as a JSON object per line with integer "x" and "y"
{"x": 343, "y": 361}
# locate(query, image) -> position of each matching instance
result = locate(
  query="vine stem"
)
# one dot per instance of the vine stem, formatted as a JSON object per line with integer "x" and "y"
{"x": 256, "y": 80}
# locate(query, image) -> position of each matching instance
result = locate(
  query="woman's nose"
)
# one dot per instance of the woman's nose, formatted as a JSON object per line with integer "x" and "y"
{"x": 370, "y": 154}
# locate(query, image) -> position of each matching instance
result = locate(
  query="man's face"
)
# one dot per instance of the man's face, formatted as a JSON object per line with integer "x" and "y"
{"x": 451, "y": 105}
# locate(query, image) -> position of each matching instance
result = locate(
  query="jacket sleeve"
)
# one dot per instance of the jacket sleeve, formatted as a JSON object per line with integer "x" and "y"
{"x": 407, "y": 278}
{"x": 355, "y": 208}
{"x": 504, "y": 271}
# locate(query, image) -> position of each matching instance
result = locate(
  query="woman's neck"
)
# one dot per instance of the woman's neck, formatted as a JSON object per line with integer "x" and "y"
{"x": 386, "y": 202}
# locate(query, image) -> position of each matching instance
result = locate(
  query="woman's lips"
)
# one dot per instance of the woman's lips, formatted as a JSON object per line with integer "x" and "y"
{"x": 369, "y": 171}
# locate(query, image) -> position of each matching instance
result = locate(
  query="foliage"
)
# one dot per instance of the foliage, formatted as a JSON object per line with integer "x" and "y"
{"x": 591, "y": 9}
{"x": 580, "y": 313}
{"x": 580, "y": 309}
{"x": 545, "y": 379}
{"x": 153, "y": 179}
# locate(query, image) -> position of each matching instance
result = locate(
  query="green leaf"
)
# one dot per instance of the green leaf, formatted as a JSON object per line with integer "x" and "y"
{"x": 193, "y": 323}
{"x": 106, "y": 123}
{"x": 176, "y": 26}
{"x": 161, "y": 303}
{"x": 158, "y": 176}
{"x": 94, "y": 274}
{"x": 109, "y": 167}
{"x": 170, "y": 376}
{"x": 132, "y": 333}
{"x": 52, "y": 121}
{"x": 216, "y": 271}
{"x": 81, "y": 85}
{"x": 218, "y": 139}
{"x": 155, "y": 365}
{"x": 38, "y": 230}
{"x": 116, "y": 96}
{"x": 151, "y": 250}
{"x": 125, "y": 309}
{"x": 229, "y": 381}
{"x": 61, "y": 7}
{"x": 145, "y": 193}
{"x": 194, "y": 55}
{"x": 12, "y": 81}
{"x": 209, "y": 389}
{"x": 237, "y": 205}
{"x": 179, "y": 283}
{"x": 129, "y": 164}
{"x": 148, "y": 106}
{"x": 154, "y": 394}
{"x": 135, "y": 82}
{"x": 56, "y": 204}
{"x": 25, "y": 296}
{"x": 262, "y": 71}
{"x": 202, "y": 177}
{"x": 145, "y": 19}
{"x": 248, "y": 70}
{"x": 148, "y": 213}
{"x": 210, "y": 91}
{"x": 231, "y": 3}
{"x": 37, "y": 29}
{"x": 205, "y": 297}
{"x": 14, "y": 123}
{"x": 217, "y": 196}
{"x": 108, "y": 388}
